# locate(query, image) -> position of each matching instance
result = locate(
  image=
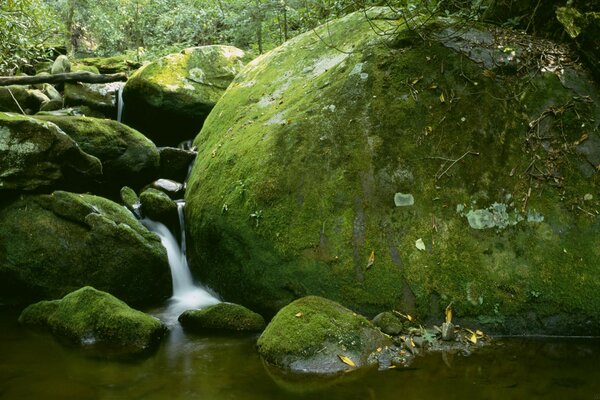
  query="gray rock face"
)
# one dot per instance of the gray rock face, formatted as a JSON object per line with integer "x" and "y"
{"x": 35, "y": 154}
{"x": 53, "y": 244}
{"x": 316, "y": 335}
{"x": 127, "y": 156}
{"x": 224, "y": 317}
{"x": 89, "y": 317}
{"x": 168, "y": 99}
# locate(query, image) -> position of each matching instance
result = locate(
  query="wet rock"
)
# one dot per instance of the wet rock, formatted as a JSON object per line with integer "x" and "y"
{"x": 157, "y": 206}
{"x": 53, "y": 244}
{"x": 448, "y": 331}
{"x": 222, "y": 317}
{"x": 92, "y": 96}
{"x": 175, "y": 163}
{"x": 388, "y": 323}
{"x": 180, "y": 87}
{"x": 89, "y": 317}
{"x": 175, "y": 190}
{"x": 36, "y": 154}
{"x": 131, "y": 200}
{"x": 316, "y": 335}
{"x": 127, "y": 156}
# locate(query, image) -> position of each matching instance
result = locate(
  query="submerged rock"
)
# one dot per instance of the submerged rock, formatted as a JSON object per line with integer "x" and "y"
{"x": 317, "y": 335}
{"x": 127, "y": 156}
{"x": 89, "y": 317}
{"x": 299, "y": 164}
{"x": 53, "y": 244}
{"x": 169, "y": 99}
{"x": 36, "y": 154}
{"x": 222, "y": 317}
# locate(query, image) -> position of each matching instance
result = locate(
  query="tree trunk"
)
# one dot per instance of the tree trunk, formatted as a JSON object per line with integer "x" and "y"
{"x": 86, "y": 77}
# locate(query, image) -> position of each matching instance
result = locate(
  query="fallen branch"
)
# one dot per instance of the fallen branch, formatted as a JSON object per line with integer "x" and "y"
{"x": 67, "y": 77}
{"x": 438, "y": 177}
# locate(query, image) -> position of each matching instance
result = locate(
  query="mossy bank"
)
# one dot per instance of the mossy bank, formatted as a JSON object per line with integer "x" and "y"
{"x": 306, "y": 164}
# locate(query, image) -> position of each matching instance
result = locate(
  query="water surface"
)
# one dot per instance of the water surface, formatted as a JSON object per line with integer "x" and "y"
{"x": 34, "y": 365}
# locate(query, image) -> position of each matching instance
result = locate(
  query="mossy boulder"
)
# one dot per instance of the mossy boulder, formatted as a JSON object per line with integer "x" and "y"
{"x": 110, "y": 65}
{"x": 158, "y": 206}
{"x": 61, "y": 65}
{"x": 388, "y": 323}
{"x": 130, "y": 199}
{"x": 127, "y": 156}
{"x": 222, "y": 317}
{"x": 300, "y": 163}
{"x": 27, "y": 100}
{"x": 89, "y": 317}
{"x": 314, "y": 334}
{"x": 36, "y": 154}
{"x": 168, "y": 99}
{"x": 53, "y": 244}
{"x": 95, "y": 96}
{"x": 175, "y": 163}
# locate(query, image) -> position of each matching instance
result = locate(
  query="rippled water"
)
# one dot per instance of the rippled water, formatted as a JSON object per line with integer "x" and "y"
{"x": 34, "y": 365}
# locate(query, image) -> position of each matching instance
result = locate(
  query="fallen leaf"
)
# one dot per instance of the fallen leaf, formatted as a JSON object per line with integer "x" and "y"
{"x": 442, "y": 98}
{"x": 582, "y": 139}
{"x": 420, "y": 245}
{"x": 449, "y": 313}
{"x": 371, "y": 259}
{"x": 299, "y": 315}
{"x": 347, "y": 361}
{"x": 472, "y": 338}
{"x": 408, "y": 317}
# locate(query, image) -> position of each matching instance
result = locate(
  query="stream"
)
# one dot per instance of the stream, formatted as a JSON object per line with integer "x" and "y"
{"x": 35, "y": 365}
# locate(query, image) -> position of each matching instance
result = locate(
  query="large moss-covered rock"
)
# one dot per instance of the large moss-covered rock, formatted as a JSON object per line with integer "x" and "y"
{"x": 402, "y": 174}
{"x": 316, "y": 335}
{"x": 169, "y": 99}
{"x": 127, "y": 156}
{"x": 110, "y": 65}
{"x": 100, "y": 98}
{"x": 91, "y": 317}
{"x": 222, "y": 317}
{"x": 35, "y": 154}
{"x": 53, "y": 244}
{"x": 20, "y": 99}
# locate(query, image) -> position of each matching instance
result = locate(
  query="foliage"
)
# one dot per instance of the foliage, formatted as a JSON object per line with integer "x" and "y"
{"x": 26, "y": 29}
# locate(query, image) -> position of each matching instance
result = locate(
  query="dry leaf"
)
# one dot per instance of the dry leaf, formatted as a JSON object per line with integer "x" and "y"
{"x": 371, "y": 259}
{"x": 347, "y": 361}
{"x": 299, "y": 315}
{"x": 408, "y": 317}
{"x": 442, "y": 98}
{"x": 449, "y": 313}
{"x": 472, "y": 338}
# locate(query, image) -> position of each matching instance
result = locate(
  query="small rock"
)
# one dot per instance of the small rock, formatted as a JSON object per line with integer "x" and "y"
{"x": 174, "y": 189}
{"x": 448, "y": 331}
{"x": 388, "y": 323}
{"x": 61, "y": 65}
{"x": 223, "y": 317}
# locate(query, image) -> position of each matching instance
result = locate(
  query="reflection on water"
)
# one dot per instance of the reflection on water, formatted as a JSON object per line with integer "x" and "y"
{"x": 35, "y": 366}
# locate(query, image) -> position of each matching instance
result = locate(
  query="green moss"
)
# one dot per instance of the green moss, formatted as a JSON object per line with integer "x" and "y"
{"x": 311, "y": 326}
{"x": 223, "y": 317}
{"x": 110, "y": 65}
{"x": 88, "y": 316}
{"x": 317, "y": 142}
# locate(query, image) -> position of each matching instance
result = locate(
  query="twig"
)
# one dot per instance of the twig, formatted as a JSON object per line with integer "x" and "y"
{"x": 454, "y": 162}
{"x": 13, "y": 97}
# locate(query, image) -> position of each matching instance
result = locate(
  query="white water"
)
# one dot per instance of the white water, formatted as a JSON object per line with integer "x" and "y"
{"x": 186, "y": 294}
{"x": 120, "y": 104}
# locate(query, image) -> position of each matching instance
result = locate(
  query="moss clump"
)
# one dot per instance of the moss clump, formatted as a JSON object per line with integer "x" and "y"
{"x": 309, "y": 335}
{"x": 179, "y": 88}
{"x": 90, "y": 317}
{"x": 222, "y": 317}
{"x": 299, "y": 163}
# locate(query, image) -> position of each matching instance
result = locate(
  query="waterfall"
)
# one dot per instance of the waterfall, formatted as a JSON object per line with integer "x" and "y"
{"x": 186, "y": 294}
{"x": 120, "y": 103}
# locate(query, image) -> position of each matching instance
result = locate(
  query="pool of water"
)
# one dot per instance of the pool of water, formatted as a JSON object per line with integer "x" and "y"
{"x": 34, "y": 365}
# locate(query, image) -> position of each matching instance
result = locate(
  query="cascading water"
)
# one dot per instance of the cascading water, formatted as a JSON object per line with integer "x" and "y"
{"x": 186, "y": 294}
{"x": 120, "y": 104}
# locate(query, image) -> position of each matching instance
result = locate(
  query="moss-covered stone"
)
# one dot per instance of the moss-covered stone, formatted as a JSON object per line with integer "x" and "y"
{"x": 19, "y": 99}
{"x": 89, "y": 317}
{"x": 93, "y": 96}
{"x": 53, "y": 244}
{"x": 110, "y": 65}
{"x": 312, "y": 333}
{"x": 130, "y": 199}
{"x": 179, "y": 90}
{"x": 61, "y": 65}
{"x": 298, "y": 166}
{"x": 36, "y": 154}
{"x": 158, "y": 206}
{"x": 127, "y": 156}
{"x": 175, "y": 163}
{"x": 222, "y": 317}
{"x": 388, "y": 323}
